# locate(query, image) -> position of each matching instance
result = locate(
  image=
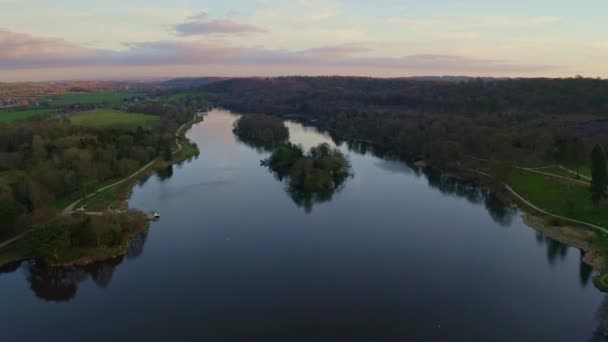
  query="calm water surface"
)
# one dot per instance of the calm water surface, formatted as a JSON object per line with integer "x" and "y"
{"x": 393, "y": 255}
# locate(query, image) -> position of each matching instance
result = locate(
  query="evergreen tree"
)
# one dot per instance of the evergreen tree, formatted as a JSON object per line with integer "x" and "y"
{"x": 599, "y": 178}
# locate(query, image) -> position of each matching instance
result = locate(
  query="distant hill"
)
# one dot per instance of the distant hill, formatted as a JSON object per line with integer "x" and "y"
{"x": 191, "y": 82}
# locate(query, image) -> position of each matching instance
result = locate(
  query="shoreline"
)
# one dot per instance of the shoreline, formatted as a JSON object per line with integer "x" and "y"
{"x": 108, "y": 253}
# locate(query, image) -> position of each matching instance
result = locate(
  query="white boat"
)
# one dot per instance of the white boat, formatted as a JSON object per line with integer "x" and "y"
{"x": 154, "y": 215}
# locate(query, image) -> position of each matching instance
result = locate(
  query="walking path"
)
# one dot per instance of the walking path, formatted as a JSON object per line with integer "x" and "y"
{"x": 6, "y": 243}
{"x": 70, "y": 208}
{"x": 542, "y": 211}
{"x": 579, "y": 182}
{"x": 553, "y": 215}
{"x": 574, "y": 172}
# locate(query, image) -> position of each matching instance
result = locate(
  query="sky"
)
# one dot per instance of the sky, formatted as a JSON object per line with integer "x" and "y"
{"x": 111, "y": 39}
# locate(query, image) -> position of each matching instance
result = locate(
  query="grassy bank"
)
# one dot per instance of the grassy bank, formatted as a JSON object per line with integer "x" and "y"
{"x": 558, "y": 196}
{"x": 107, "y": 118}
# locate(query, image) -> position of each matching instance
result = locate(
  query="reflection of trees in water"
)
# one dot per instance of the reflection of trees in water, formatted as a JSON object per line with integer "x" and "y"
{"x": 102, "y": 272}
{"x": 585, "y": 271}
{"x": 473, "y": 193}
{"x": 259, "y": 147}
{"x": 363, "y": 148}
{"x": 60, "y": 284}
{"x": 136, "y": 245}
{"x": 601, "y": 315}
{"x": 555, "y": 249}
{"x": 165, "y": 173}
{"x": 500, "y": 212}
{"x": 57, "y": 284}
{"x": 10, "y": 268}
{"x": 307, "y": 200}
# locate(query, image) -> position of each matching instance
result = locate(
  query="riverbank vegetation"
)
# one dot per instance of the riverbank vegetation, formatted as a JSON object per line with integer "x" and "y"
{"x": 313, "y": 176}
{"x": 261, "y": 130}
{"x": 77, "y": 239}
{"x": 492, "y": 126}
{"x": 47, "y": 164}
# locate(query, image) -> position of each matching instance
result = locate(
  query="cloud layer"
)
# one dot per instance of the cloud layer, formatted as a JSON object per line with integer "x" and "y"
{"x": 22, "y": 51}
{"x": 200, "y": 24}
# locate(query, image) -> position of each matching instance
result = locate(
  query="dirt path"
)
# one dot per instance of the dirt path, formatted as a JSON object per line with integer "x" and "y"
{"x": 574, "y": 172}
{"x": 579, "y": 182}
{"x": 177, "y": 136}
{"x": 6, "y": 243}
{"x": 542, "y": 211}
{"x": 553, "y": 215}
{"x": 70, "y": 208}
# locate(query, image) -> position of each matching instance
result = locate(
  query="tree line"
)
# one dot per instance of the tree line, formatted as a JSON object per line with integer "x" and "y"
{"x": 45, "y": 164}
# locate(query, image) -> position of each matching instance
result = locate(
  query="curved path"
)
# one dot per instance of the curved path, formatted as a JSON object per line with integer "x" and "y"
{"x": 70, "y": 208}
{"x": 574, "y": 172}
{"x": 6, "y": 243}
{"x": 542, "y": 211}
{"x": 553, "y": 215}
{"x": 579, "y": 182}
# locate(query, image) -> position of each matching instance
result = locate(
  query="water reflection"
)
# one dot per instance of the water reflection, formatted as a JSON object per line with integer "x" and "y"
{"x": 585, "y": 271}
{"x": 164, "y": 174}
{"x": 55, "y": 284}
{"x": 307, "y": 199}
{"x": 260, "y": 148}
{"x": 60, "y": 284}
{"x": 363, "y": 148}
{"x": 555, "y": 249}
{"x": 601, "y": 315}
{"x": 473, "y": 193}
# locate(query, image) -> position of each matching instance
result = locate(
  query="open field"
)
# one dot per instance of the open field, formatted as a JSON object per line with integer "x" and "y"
{"x": 559, "y": 197}
{"x": 10, "y": 115}
{"x": 107, "y": 118}
{"x": 111, "y": 98}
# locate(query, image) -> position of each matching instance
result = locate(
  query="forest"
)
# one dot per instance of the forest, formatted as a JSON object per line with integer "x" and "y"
{"x": 261, "y": 130}
{"x": 524, "y": 121}
{"x": 47, "y": 164}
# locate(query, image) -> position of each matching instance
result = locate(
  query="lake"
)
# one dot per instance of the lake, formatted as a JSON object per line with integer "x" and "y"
{"x": 395, "y": 254}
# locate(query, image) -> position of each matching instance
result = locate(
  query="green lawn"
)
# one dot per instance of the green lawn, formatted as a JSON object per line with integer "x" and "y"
{"x": 106, "y": 118}
{"x": 559, "y": 197}
{"x": 586, "y": 170}
{"x": 558, "y": 171}
{"x": 10, "y": 115}
{"x": 109, "y": 97}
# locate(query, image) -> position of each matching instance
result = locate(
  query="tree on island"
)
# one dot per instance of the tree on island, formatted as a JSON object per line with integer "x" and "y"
{"x": 313, "y": 177}
{"x": 599, "y": 175}
{"x": 262, "y": 131}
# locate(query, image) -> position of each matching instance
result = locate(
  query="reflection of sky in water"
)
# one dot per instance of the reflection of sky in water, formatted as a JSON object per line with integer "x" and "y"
{"x": 394, "y": 256}
{"x": 306, "y": 136}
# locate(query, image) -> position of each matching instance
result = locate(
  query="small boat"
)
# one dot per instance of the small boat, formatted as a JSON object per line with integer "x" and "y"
{"x": 154, "y": 215}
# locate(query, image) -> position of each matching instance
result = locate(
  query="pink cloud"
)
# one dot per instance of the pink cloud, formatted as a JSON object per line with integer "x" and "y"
{"x": 200, "y": 24}
{"x": 22, "y": 51}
